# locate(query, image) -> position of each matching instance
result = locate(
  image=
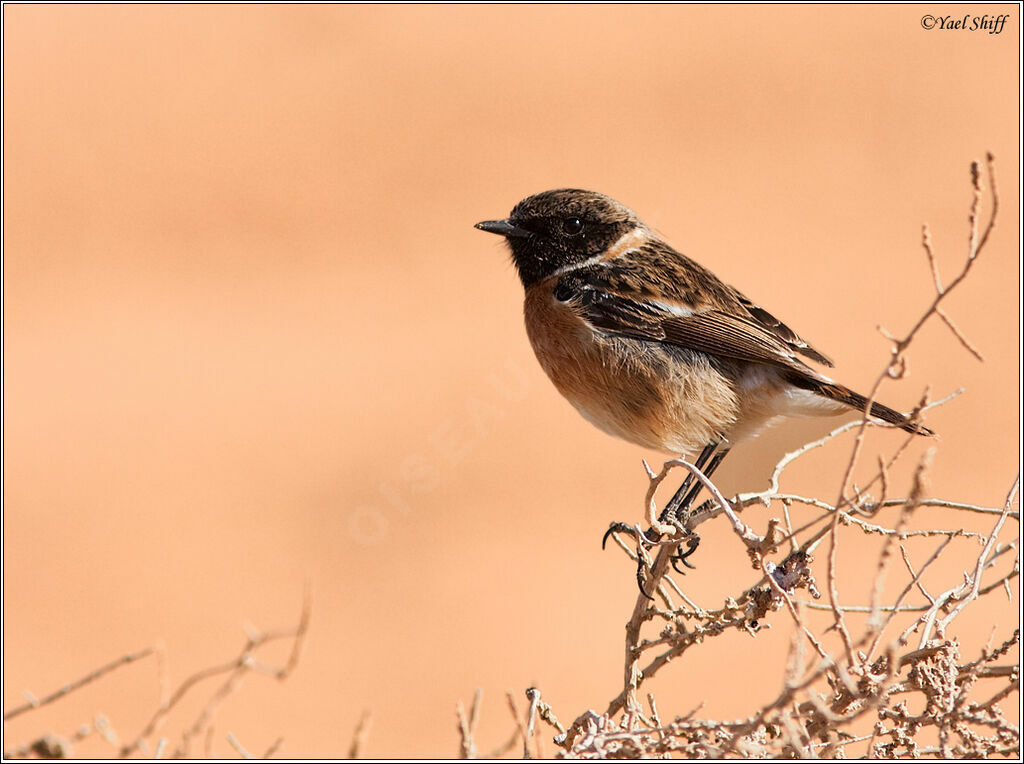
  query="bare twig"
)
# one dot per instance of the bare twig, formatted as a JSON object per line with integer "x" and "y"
{"x": 362, "y": 732}
{"x": 235, "y": 669}
{"x": 980, "y": 566}
{"x": 67, "y": 689}
{"x": 239, "y": 748}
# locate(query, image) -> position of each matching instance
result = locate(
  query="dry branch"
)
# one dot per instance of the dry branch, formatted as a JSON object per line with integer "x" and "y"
{"x": 55, "y": 746}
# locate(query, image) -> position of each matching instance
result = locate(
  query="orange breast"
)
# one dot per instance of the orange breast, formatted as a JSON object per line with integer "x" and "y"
{"x": 635, "y": 390}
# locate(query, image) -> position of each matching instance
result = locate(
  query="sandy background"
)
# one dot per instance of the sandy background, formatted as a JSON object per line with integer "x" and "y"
{"x": 251, "y": 337}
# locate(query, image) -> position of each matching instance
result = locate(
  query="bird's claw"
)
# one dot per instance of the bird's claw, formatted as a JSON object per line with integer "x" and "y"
{"x": 651, "y": 537}
{"x": 692, "y": 542}
{"x": 616, "y": 527}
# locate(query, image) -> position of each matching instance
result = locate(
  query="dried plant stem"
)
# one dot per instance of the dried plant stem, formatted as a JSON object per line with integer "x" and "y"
{"x": 67, "y": 689}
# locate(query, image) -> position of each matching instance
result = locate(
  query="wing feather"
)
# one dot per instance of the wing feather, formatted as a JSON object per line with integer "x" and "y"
{"x": 657, "y": 271}
{"x": 708, "y": 330}
{"x": 783, "y": 332}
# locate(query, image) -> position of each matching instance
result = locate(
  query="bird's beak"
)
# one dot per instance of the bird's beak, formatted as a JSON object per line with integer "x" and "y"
{"x": 502, "y": 228}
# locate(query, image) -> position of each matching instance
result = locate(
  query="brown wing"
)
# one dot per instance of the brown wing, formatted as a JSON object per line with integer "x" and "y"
{"x": 779, "y": 329}
{"x": 656, "y": 270}
{"x": 712, "y": 331}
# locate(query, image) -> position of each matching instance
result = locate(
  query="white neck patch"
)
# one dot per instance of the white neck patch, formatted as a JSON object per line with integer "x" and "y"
{"x": 628, "y": 242}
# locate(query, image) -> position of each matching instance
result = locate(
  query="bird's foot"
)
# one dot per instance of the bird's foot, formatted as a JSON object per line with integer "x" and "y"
{"x": 650, "y": 538}
{"x": 678, "y": 517}
{"x": 692, "y": 541}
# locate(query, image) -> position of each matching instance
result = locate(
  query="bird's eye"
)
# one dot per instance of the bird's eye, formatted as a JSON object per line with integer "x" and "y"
{"x": 572, "y": 226}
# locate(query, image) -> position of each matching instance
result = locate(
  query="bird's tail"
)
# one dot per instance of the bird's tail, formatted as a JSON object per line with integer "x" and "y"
{"x": 841, "y": 394}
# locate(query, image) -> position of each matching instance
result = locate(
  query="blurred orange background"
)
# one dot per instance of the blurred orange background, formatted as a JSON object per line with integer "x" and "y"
{"x": 252, "y": 338}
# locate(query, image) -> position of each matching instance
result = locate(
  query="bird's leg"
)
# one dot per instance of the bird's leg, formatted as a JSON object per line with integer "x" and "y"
{"x": 675, "y": 513}
{"x": 679, "y": 500}
{"x": 687, "y": 501}
{"x": 692, "y": 540}
{"x": 670, "y": 514}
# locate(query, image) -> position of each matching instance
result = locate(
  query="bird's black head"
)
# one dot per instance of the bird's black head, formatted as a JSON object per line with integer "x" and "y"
{"x": 555, "y": 229}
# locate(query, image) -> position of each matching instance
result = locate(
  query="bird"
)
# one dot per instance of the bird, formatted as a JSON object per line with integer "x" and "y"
{"x": 652, "y": 347}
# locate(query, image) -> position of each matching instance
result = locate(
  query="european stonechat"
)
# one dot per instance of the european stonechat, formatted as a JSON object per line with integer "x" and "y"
{"x": 651, "y": 346}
